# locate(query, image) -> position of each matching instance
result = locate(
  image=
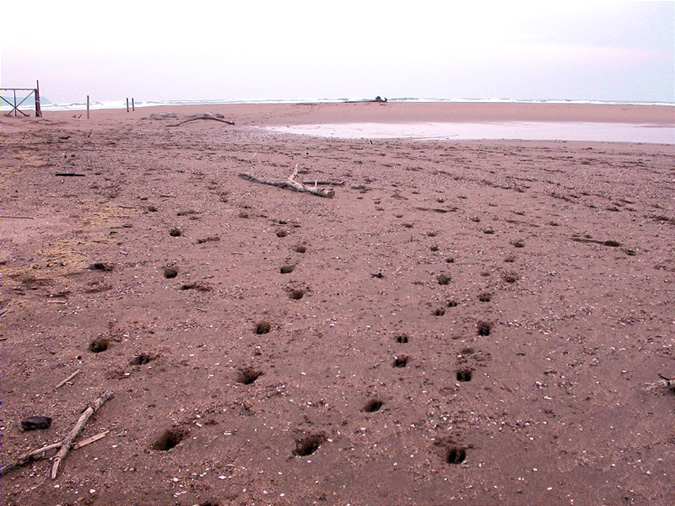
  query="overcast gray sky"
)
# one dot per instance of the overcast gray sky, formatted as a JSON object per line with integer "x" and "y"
{"x": 598, "y": 50}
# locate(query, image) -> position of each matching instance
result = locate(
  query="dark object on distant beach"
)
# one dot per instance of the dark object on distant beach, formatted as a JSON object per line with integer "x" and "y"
{"x": 36, "y": 423}
{"x": 175, "y": 232}
{"x": 380, "y": 99}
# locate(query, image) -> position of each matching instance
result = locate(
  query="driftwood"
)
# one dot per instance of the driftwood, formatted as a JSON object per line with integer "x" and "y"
{"x": 89, "y": 440}
{"x": 203, "y": 117}
{"x": 29, "y": 457}
{"x": 81, "y": 422}
{"x": 68, "y": 174}
{"x": 41, "y": 453}
{"x": 67, "y": 379}
{"x": 324, "y": 183}
{"x": 291, "y": 184}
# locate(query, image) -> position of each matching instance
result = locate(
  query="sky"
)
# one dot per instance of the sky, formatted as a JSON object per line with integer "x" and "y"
{"x": 292, "y": 49}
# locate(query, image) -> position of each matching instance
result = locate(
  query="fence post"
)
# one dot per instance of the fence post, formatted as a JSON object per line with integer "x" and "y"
{"x": 38, "y": 108}
{"x": 133, "y": 105}
{"x": 14, "y": 103}
{"x": 87, "y": 106}
{"x": 127, "y": 104}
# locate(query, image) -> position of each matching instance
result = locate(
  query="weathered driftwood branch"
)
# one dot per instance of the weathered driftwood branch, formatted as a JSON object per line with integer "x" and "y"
{"x": 81, "y": 422}
{"x": 61, "y": 383}
{"x": 203, "y": 117}
{"x": 291, "y": 184}
{"x": 41, "y": 453}
{"x": 89, "y": 440}
{"x": 29, "y": 457}
{"x": 320, "y": 182}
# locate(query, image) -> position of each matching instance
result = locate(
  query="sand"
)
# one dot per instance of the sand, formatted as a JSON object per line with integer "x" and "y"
{"x": 463, "y": 323}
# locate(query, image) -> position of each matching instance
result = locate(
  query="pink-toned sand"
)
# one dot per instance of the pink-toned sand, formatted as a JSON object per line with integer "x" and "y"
{"x": 466, "y": 323}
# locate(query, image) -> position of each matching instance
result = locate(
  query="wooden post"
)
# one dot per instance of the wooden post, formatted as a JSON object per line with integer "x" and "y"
{"x": 133, "y": 105}
{"x": 127, "y": 104}
{"x": 14, "y": 103}
{"x": 87, "y": 106}
{"x": 38, "y": 108}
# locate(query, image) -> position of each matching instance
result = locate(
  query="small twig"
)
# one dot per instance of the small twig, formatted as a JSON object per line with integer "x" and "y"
{"x": 67, "y": 379}
{"x": 90, "y": 440}
{"x": 68, "y": 174}
{"x": 5, "y": 217}
{"x": 81, "y": 422}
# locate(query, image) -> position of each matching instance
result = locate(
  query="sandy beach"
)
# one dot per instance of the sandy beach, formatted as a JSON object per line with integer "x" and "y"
{"x": 474, "y": 322}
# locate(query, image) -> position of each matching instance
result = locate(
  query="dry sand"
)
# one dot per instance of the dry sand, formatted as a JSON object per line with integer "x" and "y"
{"x": 466, "y": 323}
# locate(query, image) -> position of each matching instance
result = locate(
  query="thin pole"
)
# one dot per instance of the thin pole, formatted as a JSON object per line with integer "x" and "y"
{"x": 15, "y": 103}
{"x": 87, "y": 106}
{"x": 38, "y": 108}
{"x": 133, "y": 105}
{"x": 127, "y": 104}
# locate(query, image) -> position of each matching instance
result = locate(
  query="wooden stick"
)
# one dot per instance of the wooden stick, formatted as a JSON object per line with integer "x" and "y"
{"x": 81, "y": 422}
{"x": 203, "y": 117}
{"x": 41, "y": 453}
{"x": 291, "y": 184}
{"x": 5, "y": 217}
{"x": 29, "y": 457}
{"x": 90, "y": 440}
{"x": 38, "y": 106}
{"x": 67, "y": 379}
{"x": 325, "y": 183}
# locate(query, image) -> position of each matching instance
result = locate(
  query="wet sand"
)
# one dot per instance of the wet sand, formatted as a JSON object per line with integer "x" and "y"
{"x": 476, "y": 322}
{"x": 506, "y": 130}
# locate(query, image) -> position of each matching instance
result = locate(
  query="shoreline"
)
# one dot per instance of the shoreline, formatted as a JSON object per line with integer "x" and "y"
{"x": 396, "y": 112}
